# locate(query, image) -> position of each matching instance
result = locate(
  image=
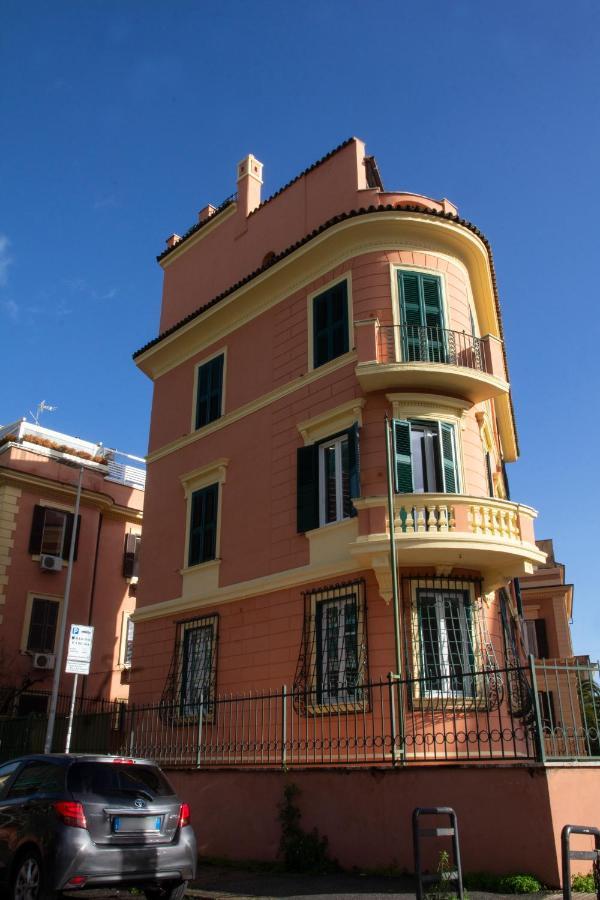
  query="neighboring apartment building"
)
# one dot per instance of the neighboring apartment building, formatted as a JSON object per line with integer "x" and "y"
{"x": 289, "y": 329}
{"x": 39, "y": 472}
{"x": 548, "y": 608}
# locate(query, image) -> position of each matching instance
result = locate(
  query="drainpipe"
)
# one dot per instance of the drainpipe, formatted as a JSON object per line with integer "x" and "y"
{"x": 397, "y": 675}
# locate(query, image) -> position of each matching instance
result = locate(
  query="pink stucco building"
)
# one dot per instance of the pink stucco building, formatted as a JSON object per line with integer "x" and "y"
{"x": 39, "y": 472}
{"x": 291, "y": 328}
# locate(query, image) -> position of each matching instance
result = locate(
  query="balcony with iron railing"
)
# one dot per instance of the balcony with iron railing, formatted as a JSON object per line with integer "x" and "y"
{"x": 441, "y": 360}
{"x": 491, "y": 536}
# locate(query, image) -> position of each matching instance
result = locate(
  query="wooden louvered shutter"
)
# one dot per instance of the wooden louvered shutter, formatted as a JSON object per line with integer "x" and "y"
{"x": 307, "y": 497}
{"x": 353, "y": 465}
{"x": 37, "y": 530}
{"x": 450, "y": 476}
{"x": 403, "y": 477}
{"x": 410, "y": 310}
{"x": 209, "y": 392}
{"x": 67, "y": 537}
{"x": 432, "y": 317}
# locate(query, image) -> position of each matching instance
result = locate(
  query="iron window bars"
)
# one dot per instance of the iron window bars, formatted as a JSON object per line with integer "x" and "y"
{"x": 332, "y": 664}
{"x": 191, "y": 681}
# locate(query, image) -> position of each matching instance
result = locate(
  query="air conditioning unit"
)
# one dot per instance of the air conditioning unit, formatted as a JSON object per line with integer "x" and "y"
{"x": 43, "y": 660}
{"x": 50, "y": 563}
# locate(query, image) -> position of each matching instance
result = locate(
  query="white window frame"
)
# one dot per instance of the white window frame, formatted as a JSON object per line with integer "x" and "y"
{"x": 126, "y": 622}
{"x": 339, "y": 480}
{"x": 467, "y": 633}
{"x": 64, "y": 515}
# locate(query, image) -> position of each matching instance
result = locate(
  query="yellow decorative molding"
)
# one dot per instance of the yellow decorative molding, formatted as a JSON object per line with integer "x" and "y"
{"x": 101, "y": 501}
{"x": 248, "y": 408}
{"x": 9, "y": 510}
{"x": 427, "y": 406}
{"x": 330, "y": 544}
{"x": 266, "y": 584}
{"x": 332, "y": 421}
{"x": 214, "y": 472}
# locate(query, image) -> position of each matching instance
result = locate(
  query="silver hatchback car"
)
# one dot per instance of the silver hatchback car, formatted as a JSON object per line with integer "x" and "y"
{"x": 76, "y": 822}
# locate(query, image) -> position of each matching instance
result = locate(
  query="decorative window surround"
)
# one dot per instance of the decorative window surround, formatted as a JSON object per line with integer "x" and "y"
{"x": 206, "y": 361}
{"x": 31, "y": 596}
{"x": 202, "y": 579}
{"x": 428, "y": 406}
{"x": 333, "y": 421}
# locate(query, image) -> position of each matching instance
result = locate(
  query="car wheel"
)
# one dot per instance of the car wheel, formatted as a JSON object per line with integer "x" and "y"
{"x": 27, "y": 881}
{"x": 171, "y": 891}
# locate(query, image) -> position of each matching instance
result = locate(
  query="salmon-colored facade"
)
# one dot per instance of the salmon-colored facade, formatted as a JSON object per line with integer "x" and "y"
{"x": 305, "y": 340}
{"x": 39, "y": 473}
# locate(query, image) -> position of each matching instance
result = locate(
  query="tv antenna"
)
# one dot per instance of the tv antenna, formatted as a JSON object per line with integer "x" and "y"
{"x": 41, "y": 408}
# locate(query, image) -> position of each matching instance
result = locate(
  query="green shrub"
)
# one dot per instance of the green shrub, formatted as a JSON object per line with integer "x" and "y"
{"x": 301, "y": 851}
{"x": 502, "y": 884}
{"x": 583, "y": 884}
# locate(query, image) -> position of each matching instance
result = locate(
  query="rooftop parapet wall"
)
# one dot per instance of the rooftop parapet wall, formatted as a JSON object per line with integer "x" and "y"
{"x": 228, "y": 245}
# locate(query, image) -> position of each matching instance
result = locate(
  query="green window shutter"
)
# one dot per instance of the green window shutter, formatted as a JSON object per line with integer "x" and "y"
{"x": 432, "y": 301}
{"x": 353, "y": 465}
{"x": 209, "y": 392}
{"x": 449, "y": 469}
{"x": 37, "y": 530}
{"x": 410, "y": 298}
{"x": 203, "y": 525}
{"x": 421, "y": 316}
{"x": 403, "y": 478}
{"x": 330, "y": 324}
{"x": 307, "y": 497}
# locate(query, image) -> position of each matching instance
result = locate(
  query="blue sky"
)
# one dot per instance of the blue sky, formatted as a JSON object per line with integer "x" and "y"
{"x": 122, "y": 118}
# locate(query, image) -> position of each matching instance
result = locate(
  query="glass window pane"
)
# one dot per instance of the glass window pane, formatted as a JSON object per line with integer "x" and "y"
{"x": 54, "y": 532}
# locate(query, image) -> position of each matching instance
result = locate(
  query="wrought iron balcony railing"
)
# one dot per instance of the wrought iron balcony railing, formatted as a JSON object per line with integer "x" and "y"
{"x": 432, "y": 344}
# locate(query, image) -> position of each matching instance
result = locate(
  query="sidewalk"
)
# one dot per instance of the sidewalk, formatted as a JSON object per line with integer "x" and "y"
{"x": 234, "y": 884}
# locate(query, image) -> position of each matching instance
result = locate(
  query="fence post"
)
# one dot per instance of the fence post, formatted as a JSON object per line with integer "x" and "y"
{"x": 539, "y": 728}
{"x": 200, "y": 723}
{"x": 283, "y": 726}
{"x": 132, "y": 730}
{"x": 392, "y": 716}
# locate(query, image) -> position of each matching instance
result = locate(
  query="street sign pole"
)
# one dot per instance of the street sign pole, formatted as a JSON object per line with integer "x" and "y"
{"x": 79, "y": 657}
{"x": 71, "y": 711}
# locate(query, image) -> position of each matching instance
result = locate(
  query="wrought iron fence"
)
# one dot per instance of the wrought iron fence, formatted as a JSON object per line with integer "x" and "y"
{"x": 430, "y": 343}
{"x": 568, "y": 709}
{"x": 546, "y": 711}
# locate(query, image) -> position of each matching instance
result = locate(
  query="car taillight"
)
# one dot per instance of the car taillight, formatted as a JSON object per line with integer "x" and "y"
{"x": 71, "y": 813}
{"x": 184, "y": 815}
{"x": 124, "y": 762}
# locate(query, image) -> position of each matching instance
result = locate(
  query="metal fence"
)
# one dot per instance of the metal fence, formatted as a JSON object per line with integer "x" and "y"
{"x": 431, "y": 343}
{"x": 541, "y": 712}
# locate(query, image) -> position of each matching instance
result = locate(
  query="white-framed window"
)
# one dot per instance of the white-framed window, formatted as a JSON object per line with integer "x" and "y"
{"x": 337, "y": 650}
{"x": 446, "y": 645}
{"x": 126, "y": 646}
{"x": 425, "y": 457}
{"x": 334, "y": 480}
{"x": 51, "y": 531}
{"x": 328, "y": 478}
{"x": 197, "y": 646}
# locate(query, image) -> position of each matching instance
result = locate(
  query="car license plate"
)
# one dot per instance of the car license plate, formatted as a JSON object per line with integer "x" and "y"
{"x": 133, "y": 824}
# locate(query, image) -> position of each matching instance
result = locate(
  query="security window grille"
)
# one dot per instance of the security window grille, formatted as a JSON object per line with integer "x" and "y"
{"x": 332, "y": 666}
{"x": 209, "y": 393}
{"x": 203, "y": 525}
{"x": 131, "y": 555}
{"x": 423, "y": 336}
{"x": 192, "y": 675}
{"x": 549, "y": 721}
{"x": 328, "y": 479}
{"x": 330, "y": 324}
{"x": 42, "y": 625}
{"x": 425, "y": 458}
{"x": 446, "y": 651}
{"x": 51, "y": 531}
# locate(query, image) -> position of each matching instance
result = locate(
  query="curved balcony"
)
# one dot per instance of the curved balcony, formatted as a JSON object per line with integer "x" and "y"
{"x": 437, "y": 360}
{"x": 450, "y": 531}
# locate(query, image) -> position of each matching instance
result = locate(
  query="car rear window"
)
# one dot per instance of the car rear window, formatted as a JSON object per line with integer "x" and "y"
{"x": 102, "y": 778}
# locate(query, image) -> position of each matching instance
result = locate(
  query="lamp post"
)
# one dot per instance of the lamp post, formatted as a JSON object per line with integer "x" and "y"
{"x": 63, "y": 625}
